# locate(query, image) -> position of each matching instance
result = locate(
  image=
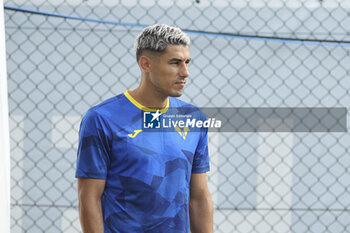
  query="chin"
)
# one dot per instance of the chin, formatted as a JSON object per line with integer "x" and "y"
{"x": 176, "y": 94}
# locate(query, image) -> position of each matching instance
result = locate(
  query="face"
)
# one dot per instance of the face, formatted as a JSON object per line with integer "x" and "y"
{"x": 169, "y": 71}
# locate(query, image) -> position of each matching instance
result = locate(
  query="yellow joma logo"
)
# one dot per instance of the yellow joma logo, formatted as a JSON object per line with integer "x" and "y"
{"x": 136, "y": 132}
{"x": 182, "y": 133}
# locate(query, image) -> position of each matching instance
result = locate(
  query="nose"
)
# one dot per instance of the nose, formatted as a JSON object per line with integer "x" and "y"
{"x": 184, "y": 72}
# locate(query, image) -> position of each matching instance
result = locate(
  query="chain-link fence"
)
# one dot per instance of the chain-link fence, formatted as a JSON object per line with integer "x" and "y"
{"x": 58, "y": 67}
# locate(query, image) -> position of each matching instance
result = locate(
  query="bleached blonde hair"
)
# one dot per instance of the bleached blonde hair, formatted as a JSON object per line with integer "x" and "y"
{"x": 157, "y": 37}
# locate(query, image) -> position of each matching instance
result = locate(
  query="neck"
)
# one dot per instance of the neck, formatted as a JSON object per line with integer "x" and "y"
{"x": 149, "y": 99}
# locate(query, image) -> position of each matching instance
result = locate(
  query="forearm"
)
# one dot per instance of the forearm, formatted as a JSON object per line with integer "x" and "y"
{"x": 201, "y": 215}
{"x": 90, "y": 212}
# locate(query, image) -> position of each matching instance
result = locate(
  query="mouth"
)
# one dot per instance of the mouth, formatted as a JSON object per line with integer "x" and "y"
{"x": 180, "y": 83}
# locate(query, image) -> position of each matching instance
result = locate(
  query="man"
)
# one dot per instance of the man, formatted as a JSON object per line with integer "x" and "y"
{"x": 130, "y": 180}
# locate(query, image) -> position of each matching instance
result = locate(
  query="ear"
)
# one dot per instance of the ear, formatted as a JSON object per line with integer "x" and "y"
{"x": 145, "y": 63}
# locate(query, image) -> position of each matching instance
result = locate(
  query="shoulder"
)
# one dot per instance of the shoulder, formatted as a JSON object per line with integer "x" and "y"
{"x": 185, "y": 108}
{"x": 174, "y": 102}
{"x": 109, "y": 104}
{"x": 182, "y": 106}
{"x": 104, "y": 110}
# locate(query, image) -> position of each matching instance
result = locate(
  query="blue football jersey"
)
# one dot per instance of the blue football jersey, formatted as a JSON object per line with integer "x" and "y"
{"x": 147, "y": 173}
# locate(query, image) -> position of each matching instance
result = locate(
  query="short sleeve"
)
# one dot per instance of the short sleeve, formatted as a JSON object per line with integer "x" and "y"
{"x": 94, "y": 147}
{"x": 201, "y": 156}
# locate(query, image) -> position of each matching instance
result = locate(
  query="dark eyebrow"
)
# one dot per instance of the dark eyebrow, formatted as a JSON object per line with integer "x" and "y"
{"x": 179, "y": 60}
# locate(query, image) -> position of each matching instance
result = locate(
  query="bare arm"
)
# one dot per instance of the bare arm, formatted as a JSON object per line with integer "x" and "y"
{"x": 90, "y": 210}
{"x": 201, "y": 206}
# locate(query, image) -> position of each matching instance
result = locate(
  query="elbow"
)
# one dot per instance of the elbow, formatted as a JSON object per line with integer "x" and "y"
{"x": 203, "y": 200}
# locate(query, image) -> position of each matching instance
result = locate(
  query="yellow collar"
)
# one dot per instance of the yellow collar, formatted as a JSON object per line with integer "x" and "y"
{"x": 144, "y": 108}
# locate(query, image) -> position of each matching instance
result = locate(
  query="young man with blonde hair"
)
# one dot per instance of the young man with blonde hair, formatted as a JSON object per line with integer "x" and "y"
{"x": 130, "y": 180}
